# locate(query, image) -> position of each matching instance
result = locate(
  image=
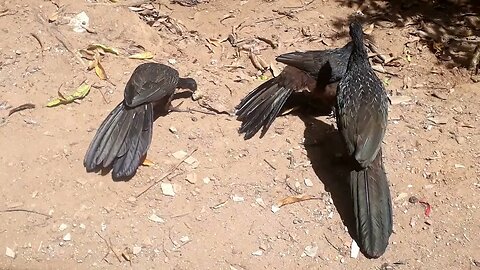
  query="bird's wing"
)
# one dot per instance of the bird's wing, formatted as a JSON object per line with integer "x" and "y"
{"x": 309, "y": 61}
{"x": 150, "y": 82}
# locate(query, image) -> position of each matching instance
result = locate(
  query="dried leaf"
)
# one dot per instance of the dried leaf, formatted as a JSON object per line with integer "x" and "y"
{"x": 295, "y": 199}
{"x": 369, "y": 29}
{"x": 100, "y": 71}
{"x": 104, "y": 48}
{"x": 53, "y": 17}
{"x": 86, "y": 54}
{"x": 81, "y": 92}
{"x": 142, "y": 55}
{"x": 148, "y": 163}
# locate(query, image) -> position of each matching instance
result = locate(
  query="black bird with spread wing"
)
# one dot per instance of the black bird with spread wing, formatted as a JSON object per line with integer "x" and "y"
{"x": 361, "y": 109}
{"x": 122, "y": 140}
{"x": 307, "y": 73}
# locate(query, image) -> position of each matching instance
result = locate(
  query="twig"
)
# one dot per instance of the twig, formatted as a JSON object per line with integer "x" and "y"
{"x": 207, "y": 106}
{"x": 8, "y": 12}
{"x": 167, "y": 174}
{"x": 101, "y": 92}
{"x": 269, "y": 164}
{"x": 331, "y": 244}
{"x": 25, "y": 210}
{"x": 109, "y": 245}
{"x": 39, "y": 41}
{"x": 288, "y": 14}
{"x": 21, "y": 108}
{"x": 132, "y": 3}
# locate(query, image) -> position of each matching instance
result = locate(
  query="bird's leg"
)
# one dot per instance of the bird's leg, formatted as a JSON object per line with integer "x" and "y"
{"x": 172, "y": 108}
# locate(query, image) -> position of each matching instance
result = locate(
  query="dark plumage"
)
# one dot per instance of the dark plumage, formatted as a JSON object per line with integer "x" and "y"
{"x": 362, "y": 120}
{"x": 311, "y": 71}
{"x": 122, "y": 140}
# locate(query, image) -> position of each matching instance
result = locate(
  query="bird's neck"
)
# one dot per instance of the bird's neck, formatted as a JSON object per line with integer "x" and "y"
{"x": 358, "y": 45}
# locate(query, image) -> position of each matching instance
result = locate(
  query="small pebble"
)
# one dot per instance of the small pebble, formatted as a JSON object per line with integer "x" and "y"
{"x": 197, "y": 95}
{"x": 460, "y": 139}
{"x": 236, "y": 198}
{"x": 275, "y": 208}
{"x": 62, "y": 227}
{"x": 260, "y": 202}
{"x": 173, "y": 130}
{"x": 257, "y": 253}
{"x": 191, "y": 178}
{"x": 311, "y": 251}
{"x": 136, "y": 250}
{"x": 167, "y": 189}
{"x": 308, "y": 182}
{"x": 10, "y": 253}
{"x": 185, "y": 239}
{"x": 413, "y": 199}
{"x": 206, "y": 180}
{"x": 172, "y": 61}
{"x": 354, "y": 249}
{"x": 156, "y": 218}
{"x": 179, "y": 154}
{"x": 67, "y": 237}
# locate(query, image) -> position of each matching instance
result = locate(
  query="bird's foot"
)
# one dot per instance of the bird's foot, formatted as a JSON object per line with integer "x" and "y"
{"x": 172, "y": 108}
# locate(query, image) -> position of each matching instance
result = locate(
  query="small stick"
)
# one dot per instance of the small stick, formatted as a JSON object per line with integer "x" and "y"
{"x": 25, "y": 210}
{"x": 109, "y": 245}
{"x": 167, "y": 174}
{"x": 331, "y": 244}
{"x": 269, "y": 164}
{"x": 132, "y": 3}
{"x": 39, "y": 41}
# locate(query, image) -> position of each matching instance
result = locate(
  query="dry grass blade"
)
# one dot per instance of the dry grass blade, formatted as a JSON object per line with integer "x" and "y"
{"x": 295, "y": 199}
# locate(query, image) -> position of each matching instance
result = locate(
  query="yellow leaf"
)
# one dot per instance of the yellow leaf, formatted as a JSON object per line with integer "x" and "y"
{"x": 143, "y": 55}
{"x": 100, "y": 71}
{"x": 148, "y": 163}
{"x": 81, "y": 92}
{"x": 103, "y": 47}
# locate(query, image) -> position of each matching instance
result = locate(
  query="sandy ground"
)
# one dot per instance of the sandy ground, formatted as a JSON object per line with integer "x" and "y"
{"x": 87, "y": 221}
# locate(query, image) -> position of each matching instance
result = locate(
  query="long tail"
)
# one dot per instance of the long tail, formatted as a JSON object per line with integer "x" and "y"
{"x": 372, "y": 208}
{"x": 261, "y": 106}
{"x": 121, "y": 141}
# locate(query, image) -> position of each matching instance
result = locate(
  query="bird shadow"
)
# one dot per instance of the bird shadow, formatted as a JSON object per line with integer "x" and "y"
{"x": 325, "y": 150}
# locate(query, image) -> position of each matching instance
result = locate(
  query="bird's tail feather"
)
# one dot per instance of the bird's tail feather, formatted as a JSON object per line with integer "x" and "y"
{"x": 260, "y": 107}
{"x": 121, "y": 141}
{"x": 372, "y": 208}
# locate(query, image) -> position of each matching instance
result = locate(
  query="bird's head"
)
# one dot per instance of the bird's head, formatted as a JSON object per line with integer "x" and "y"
{"x": 187, "y": 83}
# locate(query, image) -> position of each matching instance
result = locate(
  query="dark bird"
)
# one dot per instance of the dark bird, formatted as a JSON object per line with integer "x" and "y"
{"x": 361, "y": 110}
{"x": 307, "y": 73}
{"x": 122, "y": 140}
